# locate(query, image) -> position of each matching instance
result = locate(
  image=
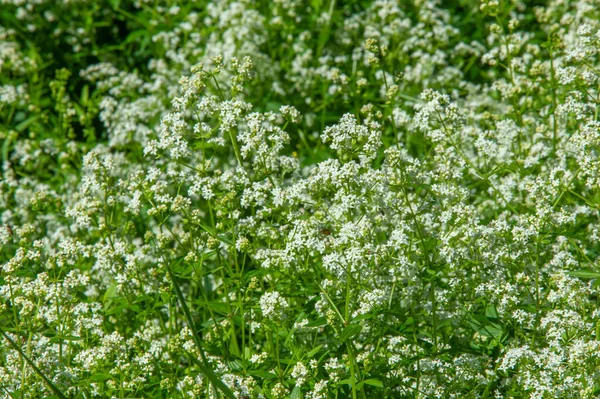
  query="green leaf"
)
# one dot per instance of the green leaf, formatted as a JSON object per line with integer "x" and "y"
{"x": 365, "y": 316}
{"x": 218, "y": 307}
{"x": 323, "y": 356}
{"x": 297, "y": 393}
{"x": 262, "y": 374}
{"x": 183, "y": 269}
{"x": 235, "y": 365}
{"x": 115, "y": 310}
{"x": 110, "y": 293}
{"x": 585, "y": 274}
{"x": 491, "y": 312}
{"x": 233, "y": 344}
{"x": 374, "y": 382}
{"x": 349, "y": 332}
{"x": 317, "y": 323}
{"x": 65, "y": 338}
{"x": 490, "y": 330}
{"x": 100, "y": 377}
{"x": 314, "y": 351}
{"x": 25, "y": 124}
{"x": 133, "y": 36}
{"x": 85, "y": 95}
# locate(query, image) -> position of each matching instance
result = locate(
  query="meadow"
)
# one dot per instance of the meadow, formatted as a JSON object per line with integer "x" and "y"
{"x": 305, "y": 199}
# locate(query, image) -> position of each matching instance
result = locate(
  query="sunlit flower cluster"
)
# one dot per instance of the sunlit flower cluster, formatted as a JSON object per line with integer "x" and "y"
{"x": 299, "y": 199}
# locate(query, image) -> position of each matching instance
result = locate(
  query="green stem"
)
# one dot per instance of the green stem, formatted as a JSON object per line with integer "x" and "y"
{"x": 204, "y": 366}
{"x": 235, "y": 149}
{"x": 35, "y": 368}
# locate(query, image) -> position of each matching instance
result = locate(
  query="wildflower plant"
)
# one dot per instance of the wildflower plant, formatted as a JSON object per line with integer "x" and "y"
{"x": 289, "y": 199}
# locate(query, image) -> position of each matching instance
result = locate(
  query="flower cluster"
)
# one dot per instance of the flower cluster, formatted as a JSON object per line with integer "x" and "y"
{"x": 299, "y": 199}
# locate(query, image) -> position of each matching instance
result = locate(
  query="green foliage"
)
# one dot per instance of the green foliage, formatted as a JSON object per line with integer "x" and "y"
{"x": 306, "y": 199}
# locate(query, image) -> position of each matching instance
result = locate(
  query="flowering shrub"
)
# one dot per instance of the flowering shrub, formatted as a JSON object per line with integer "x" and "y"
{"x": 322, "y": 199}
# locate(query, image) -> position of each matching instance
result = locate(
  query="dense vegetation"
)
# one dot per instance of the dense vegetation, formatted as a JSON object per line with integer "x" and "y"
{"x": 305, "y": 199}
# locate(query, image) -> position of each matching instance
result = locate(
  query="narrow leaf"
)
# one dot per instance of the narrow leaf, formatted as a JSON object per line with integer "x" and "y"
{"x": 586, "y": 274}
{"x": 350, "y": 331}
{"x": 314, "y": 351}
{"x": 374, "y": 382}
